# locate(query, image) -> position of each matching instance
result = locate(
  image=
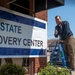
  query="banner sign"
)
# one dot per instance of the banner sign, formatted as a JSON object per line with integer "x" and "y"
{"x": 22, "y": 35}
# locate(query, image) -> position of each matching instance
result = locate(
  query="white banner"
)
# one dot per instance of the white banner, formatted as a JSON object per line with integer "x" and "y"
{"x": 20, "y": 31}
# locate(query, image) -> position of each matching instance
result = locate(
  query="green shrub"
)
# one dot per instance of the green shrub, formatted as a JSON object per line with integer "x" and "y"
{"x": 52, "y": 70}
{"x": 11, "y": 69}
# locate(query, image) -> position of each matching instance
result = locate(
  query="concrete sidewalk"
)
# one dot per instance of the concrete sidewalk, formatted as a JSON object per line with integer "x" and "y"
{"x": 73, "y": 72}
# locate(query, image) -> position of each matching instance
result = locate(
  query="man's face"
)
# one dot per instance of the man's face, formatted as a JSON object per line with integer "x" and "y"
{"x": 58, "y": 20}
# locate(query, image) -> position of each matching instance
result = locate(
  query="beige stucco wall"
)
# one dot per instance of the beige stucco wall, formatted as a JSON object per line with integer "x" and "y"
{"x": 15, "y": 61}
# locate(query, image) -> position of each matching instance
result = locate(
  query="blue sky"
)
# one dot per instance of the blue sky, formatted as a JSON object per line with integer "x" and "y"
{"x": 67, "y": 12}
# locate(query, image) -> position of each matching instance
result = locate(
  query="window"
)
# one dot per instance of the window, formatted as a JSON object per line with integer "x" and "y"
{"x": 8, "y": 60}
{"x": 25, "y": 64}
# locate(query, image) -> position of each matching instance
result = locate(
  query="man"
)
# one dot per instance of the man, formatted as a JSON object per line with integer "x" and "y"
{"x": 64, "y": 32}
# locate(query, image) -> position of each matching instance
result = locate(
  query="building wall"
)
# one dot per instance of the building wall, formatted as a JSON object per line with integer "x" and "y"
{"x": 42, "y": 15}
{"x": 40, "y": 63}
{"x": 14, "y": 60}
{"x": 35, "y": 64}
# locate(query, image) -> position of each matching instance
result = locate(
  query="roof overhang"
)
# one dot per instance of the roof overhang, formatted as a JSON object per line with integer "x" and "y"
{"x": 37, "y": 5}
{"x": 41, "y": 5}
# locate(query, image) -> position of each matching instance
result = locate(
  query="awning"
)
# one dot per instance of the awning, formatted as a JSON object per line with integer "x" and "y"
{"x": 38, "y": 5}
{"x": 47, "y": 4}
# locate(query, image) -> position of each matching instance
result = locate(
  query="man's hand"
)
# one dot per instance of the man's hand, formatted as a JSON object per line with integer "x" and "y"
{"x": 60, "y": 41}
{"x": 56, "y": 33}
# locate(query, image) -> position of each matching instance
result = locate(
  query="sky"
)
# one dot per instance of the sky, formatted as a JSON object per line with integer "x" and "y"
{"x": 67, "y": 12}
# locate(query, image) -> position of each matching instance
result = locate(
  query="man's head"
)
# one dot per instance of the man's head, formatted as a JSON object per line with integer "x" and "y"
{"x": 58, "y": 20}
